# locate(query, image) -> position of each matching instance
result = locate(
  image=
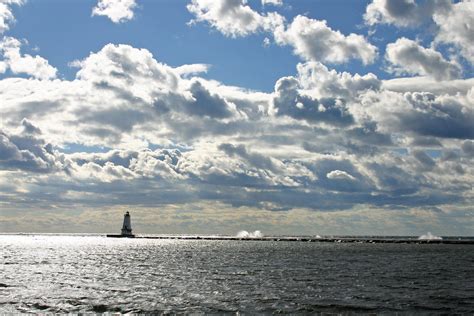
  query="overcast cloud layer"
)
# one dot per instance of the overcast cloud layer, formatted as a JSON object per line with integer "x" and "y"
{"x": 326, "y": 152}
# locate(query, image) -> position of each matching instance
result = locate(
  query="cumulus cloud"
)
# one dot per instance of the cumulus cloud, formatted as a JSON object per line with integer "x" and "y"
{"x": 421, "y": 113}
{"x": 6, "y": 15}
{"x": 456, "y": 27}
{"x": 232, "y": 17}
{"x": 118, "y": 11}
{"x": 318, "y": 80}
{"x": 142, "y": 94}
{"x": 403, "y": 12}
{"x": 290, "y": 102}
{"x": 124, "y": 66}
{"x": 26, "y": 151}
{"x": 311, "y": 39}
{"x": 319, "y": 95}
{"x": 120, "y": 165}
{"x": 323, "y": 140}
{"x": 18, "y": 63}
{"x": 206, "y": 104}
{"x": 131, "y": 130}
{"x": 454, "y": 22}
{"x": 314, "y": 40}
{"x": 407, "y": 56}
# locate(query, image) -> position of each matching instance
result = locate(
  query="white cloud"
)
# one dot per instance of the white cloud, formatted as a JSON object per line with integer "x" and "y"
{"x": 142, "y": 94}
{"x": 313, "y": 40}
{"x": 132, "y": 70}
{"x": 427, "y": 84}
{"x": 317, "y": 80}
{"x": 3, "y": 67}
{"x": 454, "y": 22}
{"x": 192, "y": 69}
{"x": 18, "y": 63}
{"x": 118, "y": 11}
{"x": 407, "y": 56}
{"x": 232, "y": 17}
{"x": 266, "y": 42}
{"x": 6, "y": 15}
{"x": 339, "y": 175}
{"x": 272, "y": 2}
{"x": 456, "y": 26}
{"x": 322, "y": 141}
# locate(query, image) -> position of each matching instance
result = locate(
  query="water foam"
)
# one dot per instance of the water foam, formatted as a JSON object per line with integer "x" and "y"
{"x": 429, "y": 236}
{"x": 246, "y": 234}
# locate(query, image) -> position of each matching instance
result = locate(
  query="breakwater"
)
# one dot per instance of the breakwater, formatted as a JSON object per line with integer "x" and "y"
{"x": 374, "y": 240}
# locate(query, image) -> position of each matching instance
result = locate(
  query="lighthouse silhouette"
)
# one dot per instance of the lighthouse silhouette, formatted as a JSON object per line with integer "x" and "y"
{"x": 127, "y": 225}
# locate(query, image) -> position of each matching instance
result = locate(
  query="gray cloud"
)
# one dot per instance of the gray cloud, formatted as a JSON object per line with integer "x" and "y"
{"x": 440, "y": 117}
{"x": 256, "y": 160}
{"x": 426, "y": 161}
{"x": 26, "y": 152}
{"x": 206, "y": 104}
{"x": 288, "y": 101}
{"x": 403, "y": 12}
{"x": 423, "y": 114}
{"x": 468, "y": 147}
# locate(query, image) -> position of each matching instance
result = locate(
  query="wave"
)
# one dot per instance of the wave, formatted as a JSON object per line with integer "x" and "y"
{"x": 246, "y": 234}
{"x": 429, "y": 236}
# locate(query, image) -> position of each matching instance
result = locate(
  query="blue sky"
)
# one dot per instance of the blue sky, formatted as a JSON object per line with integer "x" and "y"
{"x": 64, "y": 31}
{"x": 278, "y": 121}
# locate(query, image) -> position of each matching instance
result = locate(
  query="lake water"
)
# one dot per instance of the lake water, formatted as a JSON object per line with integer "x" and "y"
{"x": 45, "y": 273}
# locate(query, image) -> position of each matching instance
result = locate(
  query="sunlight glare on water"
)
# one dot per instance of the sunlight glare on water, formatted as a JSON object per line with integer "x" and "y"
{"x": 46, "y": 273}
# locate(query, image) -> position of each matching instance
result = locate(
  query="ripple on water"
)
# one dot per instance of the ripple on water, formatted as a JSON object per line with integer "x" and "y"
{"x": 58, "y": 274}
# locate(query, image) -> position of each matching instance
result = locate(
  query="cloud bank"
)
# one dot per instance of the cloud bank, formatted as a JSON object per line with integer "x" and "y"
{"x": 325, "y": 145}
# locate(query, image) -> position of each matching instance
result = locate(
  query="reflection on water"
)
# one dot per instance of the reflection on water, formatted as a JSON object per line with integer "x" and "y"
{"x": 96, "y": 274}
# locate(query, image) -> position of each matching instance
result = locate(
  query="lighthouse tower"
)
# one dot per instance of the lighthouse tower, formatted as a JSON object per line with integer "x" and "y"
{"x": 127, "y": 225}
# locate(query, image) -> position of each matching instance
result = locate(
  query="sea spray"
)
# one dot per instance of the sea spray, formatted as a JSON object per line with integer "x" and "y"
{"x": 246, "y": 234}
{"x": 429, "y": 236}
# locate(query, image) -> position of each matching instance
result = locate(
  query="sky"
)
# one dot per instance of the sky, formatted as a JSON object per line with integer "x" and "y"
{"x": 215, "y": 116}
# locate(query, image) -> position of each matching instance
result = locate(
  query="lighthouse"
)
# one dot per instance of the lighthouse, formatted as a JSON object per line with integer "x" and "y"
{"x": 126, "y": 228}
{"x": 127, "y": 225}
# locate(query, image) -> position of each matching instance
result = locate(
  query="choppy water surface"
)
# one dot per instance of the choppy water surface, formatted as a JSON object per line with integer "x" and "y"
{"x": 97, "y": 274}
